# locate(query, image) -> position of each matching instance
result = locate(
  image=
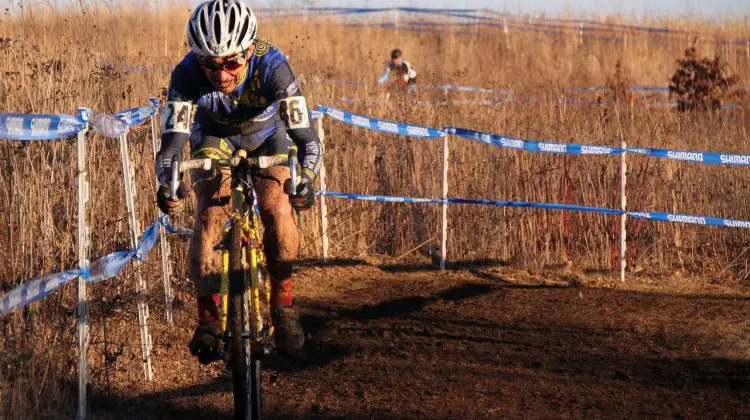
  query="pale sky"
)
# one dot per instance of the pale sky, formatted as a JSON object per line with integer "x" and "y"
{"x": 591, "y": 8}
{"x": 713, "y": 8}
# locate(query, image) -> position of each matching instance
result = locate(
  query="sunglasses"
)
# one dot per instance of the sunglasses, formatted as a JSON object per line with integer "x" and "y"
{"x": 230, "y": 65}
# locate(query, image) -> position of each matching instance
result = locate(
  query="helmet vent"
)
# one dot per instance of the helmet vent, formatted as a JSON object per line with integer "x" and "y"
{"x": 243, "y": 30}
{"x": 193, "y": 35}
{"x": 204, "y": 25}
{"x": 217, "y": 29}
{"x": 221, "y": 28}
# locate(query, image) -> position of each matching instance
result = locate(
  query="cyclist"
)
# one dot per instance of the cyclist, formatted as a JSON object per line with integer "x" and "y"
{"x": 244, "y": 96}
{"x": 406, "y": 76}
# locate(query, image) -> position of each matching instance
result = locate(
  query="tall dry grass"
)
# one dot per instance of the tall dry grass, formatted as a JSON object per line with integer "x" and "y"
{"x": 110, "y": 59}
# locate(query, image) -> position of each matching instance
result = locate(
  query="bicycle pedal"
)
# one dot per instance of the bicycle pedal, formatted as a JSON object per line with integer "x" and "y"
{"x": 260, "y": 350}
{"x": 222, "y": 246}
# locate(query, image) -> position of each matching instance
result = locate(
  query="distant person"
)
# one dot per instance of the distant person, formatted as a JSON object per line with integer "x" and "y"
{"x": 404, "y": 74}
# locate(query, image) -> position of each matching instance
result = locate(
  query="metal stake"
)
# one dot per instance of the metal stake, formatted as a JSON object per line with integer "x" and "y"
{"x": 166, "y": 266}
{"x": 135, "y": 229}
{"x": 83, "y": 262}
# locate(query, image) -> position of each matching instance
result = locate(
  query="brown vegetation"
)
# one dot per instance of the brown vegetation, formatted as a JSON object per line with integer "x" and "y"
{"x": 701, "y": 83}
{"x": 110, "y": 59}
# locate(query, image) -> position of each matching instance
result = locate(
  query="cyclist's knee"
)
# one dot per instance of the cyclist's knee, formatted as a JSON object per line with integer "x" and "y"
{"x": 211, "y": 190}
{"x": 273, "y": 202}
{"x": 275, "y": 208}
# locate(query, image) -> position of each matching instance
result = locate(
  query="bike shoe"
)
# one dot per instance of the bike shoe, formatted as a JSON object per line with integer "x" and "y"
{"x": 206, "y": 342}
{"x": 288, "y": 333}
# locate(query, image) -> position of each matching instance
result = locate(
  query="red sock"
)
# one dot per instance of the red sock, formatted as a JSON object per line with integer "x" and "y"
{"x": 208, "y": 307}
{"x": 281, "y": 292}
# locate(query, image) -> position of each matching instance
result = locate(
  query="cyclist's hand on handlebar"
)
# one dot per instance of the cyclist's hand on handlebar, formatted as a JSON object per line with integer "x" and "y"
{"x": 304, "y": 197}
{"x": 164, "y": 199}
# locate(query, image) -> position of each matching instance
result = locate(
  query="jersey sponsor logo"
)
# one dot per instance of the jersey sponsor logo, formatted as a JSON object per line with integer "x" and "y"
{"x": 596, "y": 150}
{"x": 261, "y": 47}
{"x": 553, "y": 148}
{"x": 253, "y": 94}
{"x": 735, "y": 159}
{"x": 293, "y": 111}
{"x": 388, "y": 126}
{"x": 737, "y": 223}
{"x": 267, "y": 114}
{"x": 360, "y": 121}
{"x": 690, "y": 156}
{"x": 292, "y": 88}
{"x": 512, "y": 143}
{"x": 679, "y": 218}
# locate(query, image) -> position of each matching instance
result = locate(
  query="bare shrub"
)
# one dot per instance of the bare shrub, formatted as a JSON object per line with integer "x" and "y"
{"x": 700, "y": 83}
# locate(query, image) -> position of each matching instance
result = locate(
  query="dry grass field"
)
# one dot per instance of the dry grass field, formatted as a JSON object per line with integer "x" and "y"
{"x": 102, "y": 56}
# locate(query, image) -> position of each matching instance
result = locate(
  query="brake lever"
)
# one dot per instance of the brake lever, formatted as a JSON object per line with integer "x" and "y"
{"x": 175, "y": 177}
{"x": 294, "y": 181}
{"x": 293, "y": 170}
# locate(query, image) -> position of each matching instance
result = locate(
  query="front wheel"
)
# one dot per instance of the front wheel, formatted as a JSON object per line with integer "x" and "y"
{"x": 240, "y": 360}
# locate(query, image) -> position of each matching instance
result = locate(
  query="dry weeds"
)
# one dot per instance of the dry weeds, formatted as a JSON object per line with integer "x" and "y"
{"x": 110, "y": 59}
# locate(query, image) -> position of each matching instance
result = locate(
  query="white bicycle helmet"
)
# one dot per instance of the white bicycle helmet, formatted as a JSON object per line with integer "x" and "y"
{"x": 221, "y": 28}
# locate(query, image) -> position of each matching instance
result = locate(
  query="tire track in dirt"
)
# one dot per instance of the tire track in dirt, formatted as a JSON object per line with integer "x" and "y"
{"x": 394, "y": 342}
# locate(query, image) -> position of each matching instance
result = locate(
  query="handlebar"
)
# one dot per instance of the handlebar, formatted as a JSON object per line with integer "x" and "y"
{"x": 239, "y": 159}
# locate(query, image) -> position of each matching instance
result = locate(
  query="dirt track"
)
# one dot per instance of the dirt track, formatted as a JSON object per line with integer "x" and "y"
{"x": 409, "y": 342}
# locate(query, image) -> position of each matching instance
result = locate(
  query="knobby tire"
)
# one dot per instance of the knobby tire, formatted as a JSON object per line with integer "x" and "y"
{"x": 239, "y": 357}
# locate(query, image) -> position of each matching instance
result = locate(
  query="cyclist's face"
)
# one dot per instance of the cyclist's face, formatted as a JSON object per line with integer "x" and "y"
{"x": 397, "y": 61}
{"x": 226, "y": 73}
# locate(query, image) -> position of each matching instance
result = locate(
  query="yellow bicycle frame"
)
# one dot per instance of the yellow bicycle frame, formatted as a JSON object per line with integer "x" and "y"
{"x": 255, "y": 258}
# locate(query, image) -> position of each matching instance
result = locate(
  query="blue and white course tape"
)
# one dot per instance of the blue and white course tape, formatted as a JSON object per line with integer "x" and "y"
{"x": 106, "y": 267}
{"x": 39, "y": 127}
{"x": 381, "y": 125}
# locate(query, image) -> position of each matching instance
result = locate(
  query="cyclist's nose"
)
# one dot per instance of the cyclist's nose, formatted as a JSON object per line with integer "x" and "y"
{"x": 225, "y": 76}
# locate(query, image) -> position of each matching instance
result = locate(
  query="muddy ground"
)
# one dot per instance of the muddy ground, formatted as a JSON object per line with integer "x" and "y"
{"x": 398, "y": 341}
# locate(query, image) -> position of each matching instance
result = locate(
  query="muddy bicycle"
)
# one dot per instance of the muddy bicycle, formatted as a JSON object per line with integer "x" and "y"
{"x": 245, "y": 317}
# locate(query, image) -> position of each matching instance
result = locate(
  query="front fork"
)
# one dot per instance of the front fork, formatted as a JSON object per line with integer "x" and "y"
{"x": 254, "y": 258}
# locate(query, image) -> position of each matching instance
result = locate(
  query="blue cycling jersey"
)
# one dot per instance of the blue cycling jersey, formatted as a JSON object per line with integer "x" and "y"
{"x": 267, "y": 99}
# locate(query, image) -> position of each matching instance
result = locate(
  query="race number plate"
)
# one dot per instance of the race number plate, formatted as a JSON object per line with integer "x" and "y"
{"x": 176, "y": 118}
{"x": 293, "y": 111}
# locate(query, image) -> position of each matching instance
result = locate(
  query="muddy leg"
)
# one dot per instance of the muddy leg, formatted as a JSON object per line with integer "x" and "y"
{"x": 212, "y": 206}
{"x": 280, "y": 238}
